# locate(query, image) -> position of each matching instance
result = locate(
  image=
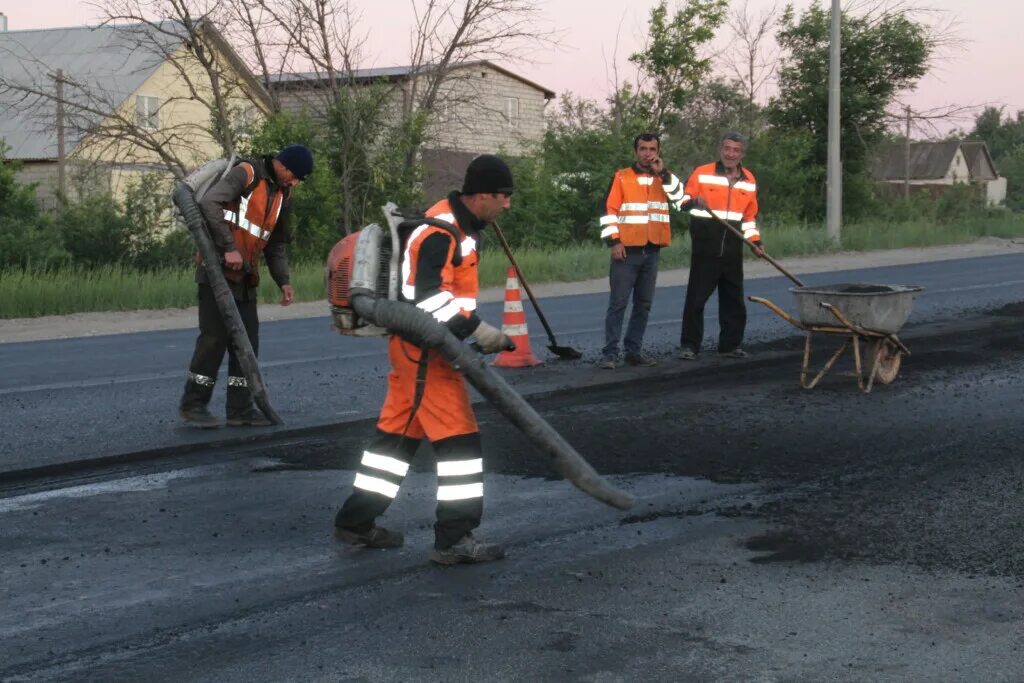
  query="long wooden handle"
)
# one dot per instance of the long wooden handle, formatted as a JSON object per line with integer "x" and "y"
{"x": 765, "y": 256}
{"x": 522, "y": 281}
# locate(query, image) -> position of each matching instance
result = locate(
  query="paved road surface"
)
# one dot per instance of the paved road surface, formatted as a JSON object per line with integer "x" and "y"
{"x": 79, "y": 399}
{"x": 780, "y": 535}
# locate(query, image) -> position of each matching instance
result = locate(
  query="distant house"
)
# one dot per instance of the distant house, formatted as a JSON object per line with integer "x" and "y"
{"x": 485, "y": 108}
{"x": 934, "y": 166}
{"x": 114, "y": 75}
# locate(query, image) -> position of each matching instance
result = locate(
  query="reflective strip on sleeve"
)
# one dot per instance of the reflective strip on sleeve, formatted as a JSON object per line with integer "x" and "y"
{"x": 446, "y": 313}
{"x": 431, "y": 304}
{"x": 685, "y": 199}
{"x": 465, "y": 303}
{"x": 459, "y": 468}
{"x": 744, "y": 185}
{"x": 609, "y": 219}
{"x": 612, "y": 231}
{"x": 460, "y": 491}
{"x": 368, "y": 483}
{"x": 706, "y": 179}
{"x": 750, "y": 230}
{"x": 442, "y": 306}
{"x": 385, "y": 463}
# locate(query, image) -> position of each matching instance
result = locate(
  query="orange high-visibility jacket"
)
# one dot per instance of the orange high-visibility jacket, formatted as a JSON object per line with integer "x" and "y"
{"x": 734, "y": 202}
{"x": 440, "y": 275}
{"x": 637, "y": 205}
{"x": 253, "y": 216}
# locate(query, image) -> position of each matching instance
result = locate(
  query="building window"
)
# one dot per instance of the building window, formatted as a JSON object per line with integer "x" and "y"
{"x": 512, "y": 111}
{"x": 147, "y": 112}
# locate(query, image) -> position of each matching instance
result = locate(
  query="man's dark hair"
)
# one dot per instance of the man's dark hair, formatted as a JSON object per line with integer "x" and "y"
{"x": 734, "y": 136}
{"x": 646, "y": 137}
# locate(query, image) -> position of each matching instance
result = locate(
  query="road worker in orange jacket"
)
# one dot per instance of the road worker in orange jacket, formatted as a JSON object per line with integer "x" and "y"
{"x": 247, "y": 214}
{"x": 728, "y": 189}
{"x": 635, "y": 227}
{"x": 439, "y": 275}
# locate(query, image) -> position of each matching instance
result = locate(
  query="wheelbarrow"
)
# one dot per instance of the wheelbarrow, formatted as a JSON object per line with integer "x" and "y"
{"x": 863, "y": 314}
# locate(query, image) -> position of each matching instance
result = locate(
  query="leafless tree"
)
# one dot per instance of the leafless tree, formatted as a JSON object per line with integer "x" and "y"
{"x": 752, "y": 56}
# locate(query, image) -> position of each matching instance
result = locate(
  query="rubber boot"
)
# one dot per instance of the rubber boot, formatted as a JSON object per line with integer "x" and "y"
{"x": 192, "y": 407}
{"x": 242, "y": 412}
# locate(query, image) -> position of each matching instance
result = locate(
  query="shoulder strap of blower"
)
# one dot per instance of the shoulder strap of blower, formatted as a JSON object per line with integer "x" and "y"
{"x": 410, "y": 223}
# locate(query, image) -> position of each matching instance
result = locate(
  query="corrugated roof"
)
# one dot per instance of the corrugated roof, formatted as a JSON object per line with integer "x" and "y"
{"x": 104, "y": 59}
{"x": 928, "y": 160}
{"x": 979, "y": 161}
{"x": 397, "y": 73}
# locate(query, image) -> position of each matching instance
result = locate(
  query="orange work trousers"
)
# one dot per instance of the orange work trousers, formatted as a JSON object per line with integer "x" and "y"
{"x": 444, "y": 410}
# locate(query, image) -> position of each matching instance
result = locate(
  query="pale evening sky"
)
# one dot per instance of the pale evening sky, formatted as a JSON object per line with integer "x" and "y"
{"x": 984, "y": 71}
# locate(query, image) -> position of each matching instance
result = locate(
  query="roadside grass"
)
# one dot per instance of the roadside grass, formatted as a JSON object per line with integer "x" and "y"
{"x": 32, "y": 293}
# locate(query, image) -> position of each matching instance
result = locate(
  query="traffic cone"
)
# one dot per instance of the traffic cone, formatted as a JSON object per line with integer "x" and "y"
{"x": 513, "y": 324}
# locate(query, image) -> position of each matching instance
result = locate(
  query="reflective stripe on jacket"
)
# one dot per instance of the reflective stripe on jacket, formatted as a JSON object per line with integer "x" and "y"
{"x": 637, "y": 208}
{"x": 732, "y": 201}
{"x": 253, "y": 216}
{"x": 437, "y": 278}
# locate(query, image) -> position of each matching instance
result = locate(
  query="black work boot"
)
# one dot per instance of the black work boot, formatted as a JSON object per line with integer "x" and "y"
{"x": 467, "y": 550}
{"x": 192, "y": 408}
{"x": 374, "y": 537}
{"x": 241, "y": 410}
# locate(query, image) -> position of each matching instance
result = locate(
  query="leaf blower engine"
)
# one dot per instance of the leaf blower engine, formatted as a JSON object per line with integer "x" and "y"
{"x": 368, "y": 263}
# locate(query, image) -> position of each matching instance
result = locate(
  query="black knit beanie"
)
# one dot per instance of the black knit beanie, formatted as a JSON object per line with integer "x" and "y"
{"x": 297, "y": 159}
{"x": 487, "y": 174}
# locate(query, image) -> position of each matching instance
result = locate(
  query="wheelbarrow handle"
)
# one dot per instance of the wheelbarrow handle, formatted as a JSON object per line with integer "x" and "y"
{"x": 781, "y": 313}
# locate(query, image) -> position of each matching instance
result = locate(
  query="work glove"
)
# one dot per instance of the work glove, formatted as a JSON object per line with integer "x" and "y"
{"x": 489, "y": 339}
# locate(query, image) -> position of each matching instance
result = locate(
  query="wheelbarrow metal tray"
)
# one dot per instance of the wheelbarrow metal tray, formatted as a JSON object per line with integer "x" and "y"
{"x": 879, "y": 308}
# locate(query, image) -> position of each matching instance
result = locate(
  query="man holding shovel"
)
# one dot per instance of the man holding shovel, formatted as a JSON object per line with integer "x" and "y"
{"x": 635, "y": 227}
{"x": 727, "y": 189}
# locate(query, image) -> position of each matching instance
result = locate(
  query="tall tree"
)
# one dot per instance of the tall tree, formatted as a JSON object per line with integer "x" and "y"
{"x": 883, "y": 52}
{"x": 674, "y": 63}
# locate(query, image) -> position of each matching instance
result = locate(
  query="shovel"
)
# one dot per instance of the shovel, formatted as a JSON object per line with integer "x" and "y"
{"x": 563, "y": 352}
{"x": 750, "y": 244}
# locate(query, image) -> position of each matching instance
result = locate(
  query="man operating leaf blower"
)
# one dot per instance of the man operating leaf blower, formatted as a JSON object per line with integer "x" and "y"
{"x": 427, "y": 396}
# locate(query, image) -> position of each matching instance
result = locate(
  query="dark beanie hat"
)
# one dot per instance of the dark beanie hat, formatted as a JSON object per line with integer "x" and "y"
{"x": 297, "y": 159}
{"x": 488, "y": 174}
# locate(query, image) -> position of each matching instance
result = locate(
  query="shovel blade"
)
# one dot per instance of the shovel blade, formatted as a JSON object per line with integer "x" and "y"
{"x": 565, "y": 352}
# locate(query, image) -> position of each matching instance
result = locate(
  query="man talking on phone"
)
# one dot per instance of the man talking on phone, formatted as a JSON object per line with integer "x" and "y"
{"x": 635, "y": 227}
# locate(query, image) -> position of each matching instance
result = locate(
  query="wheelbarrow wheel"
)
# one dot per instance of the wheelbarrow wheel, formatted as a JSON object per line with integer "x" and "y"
{"x": 888, "y": 364}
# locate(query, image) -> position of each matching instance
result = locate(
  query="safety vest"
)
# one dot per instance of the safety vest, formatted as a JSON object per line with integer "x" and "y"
{"x": 735, "y": 201}
{"x": 253, "y": 216}
{"x": 459, "y": 284}
{"x": 637, "y": 208}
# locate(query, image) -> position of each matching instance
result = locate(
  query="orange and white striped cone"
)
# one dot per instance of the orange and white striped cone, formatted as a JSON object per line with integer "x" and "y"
{"x": 513, "y": 324}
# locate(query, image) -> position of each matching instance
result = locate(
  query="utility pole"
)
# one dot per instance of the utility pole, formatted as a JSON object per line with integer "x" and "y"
{"x": 906, "y": 157}
{"x": 834, "y": 203}
{"x": 61, "y": 153}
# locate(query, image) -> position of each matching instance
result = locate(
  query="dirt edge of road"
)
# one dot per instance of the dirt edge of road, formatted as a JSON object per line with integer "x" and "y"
{"x": 123, "y": 322}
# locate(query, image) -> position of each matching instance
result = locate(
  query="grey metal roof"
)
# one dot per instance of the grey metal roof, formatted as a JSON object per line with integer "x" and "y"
{"x": 979, "y": 161}
{"x": 396, "y": 73}
{"x": 105, "y": 60}
{"x": 928, "y": 160}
